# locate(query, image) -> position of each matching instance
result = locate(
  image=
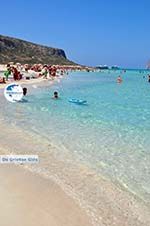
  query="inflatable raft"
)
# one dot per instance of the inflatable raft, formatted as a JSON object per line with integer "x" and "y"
{"x": 77, "y": 101}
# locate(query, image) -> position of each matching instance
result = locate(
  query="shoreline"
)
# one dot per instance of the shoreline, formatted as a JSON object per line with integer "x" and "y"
{"x": 105, "y": 204}
{"x": 27, "y": 82}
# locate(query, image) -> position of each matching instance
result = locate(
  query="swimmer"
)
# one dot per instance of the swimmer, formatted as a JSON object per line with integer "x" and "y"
{"x": 55, "y": 95}
{"x": 119, "y": 79}
{"x": 148, "y": 78}
{"x": 24, "y": 91}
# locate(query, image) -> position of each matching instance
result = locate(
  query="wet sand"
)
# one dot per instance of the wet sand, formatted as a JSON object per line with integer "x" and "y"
{"x": 30, "y": 200}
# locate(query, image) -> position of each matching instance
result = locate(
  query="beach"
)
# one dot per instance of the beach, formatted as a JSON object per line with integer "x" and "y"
{"x": 65, "y": 188}
{"x": 74, "y": 113}
{"x": 27, "y": 199}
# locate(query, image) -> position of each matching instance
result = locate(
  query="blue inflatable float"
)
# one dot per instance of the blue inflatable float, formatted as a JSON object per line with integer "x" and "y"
{"x": 77, "y": 101}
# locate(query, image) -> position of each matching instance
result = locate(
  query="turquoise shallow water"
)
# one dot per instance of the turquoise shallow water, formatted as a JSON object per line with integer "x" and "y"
{"x": 110, "y": 134}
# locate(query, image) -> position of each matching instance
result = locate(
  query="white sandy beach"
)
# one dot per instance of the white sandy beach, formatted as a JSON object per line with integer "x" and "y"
{"x": 30, "y": 200}
{"x": 24, "y": 82}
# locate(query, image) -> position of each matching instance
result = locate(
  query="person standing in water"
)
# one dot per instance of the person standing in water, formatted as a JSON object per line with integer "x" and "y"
{"x": 24, "y": 91}
{"x": 119, "y": 79}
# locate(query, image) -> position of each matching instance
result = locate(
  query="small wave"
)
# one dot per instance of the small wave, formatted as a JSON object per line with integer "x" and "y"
{"x": 44, "y": 109}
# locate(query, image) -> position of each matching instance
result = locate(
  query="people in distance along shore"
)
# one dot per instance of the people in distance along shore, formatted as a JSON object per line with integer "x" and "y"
{"x": 7, "y": 72}
{"x": 44, "y": 71}
{"x": 16, "y": 74}
{"x": 119, "y": 79}
{"x": 53, "y": 71}
{"x": 61, "y": 72}
{"x": 2, "y": 80}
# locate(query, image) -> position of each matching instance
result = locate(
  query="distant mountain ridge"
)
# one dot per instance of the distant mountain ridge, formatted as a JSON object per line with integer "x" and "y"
{"x": 17, "y": 50}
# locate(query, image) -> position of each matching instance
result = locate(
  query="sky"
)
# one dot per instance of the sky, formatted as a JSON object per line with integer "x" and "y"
{"x": 92, "y": 32}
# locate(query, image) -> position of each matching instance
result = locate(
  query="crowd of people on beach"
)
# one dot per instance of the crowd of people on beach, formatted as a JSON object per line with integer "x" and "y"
{"x": 24, "y": 72}
{"x": 18, "y": 72}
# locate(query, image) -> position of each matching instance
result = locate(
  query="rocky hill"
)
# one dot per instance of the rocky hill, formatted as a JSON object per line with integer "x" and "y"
{"x": 16, "y": 50}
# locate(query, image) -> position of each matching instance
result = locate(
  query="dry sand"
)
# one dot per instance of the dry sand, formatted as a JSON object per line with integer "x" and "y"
{"x": 24, "y": 82}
